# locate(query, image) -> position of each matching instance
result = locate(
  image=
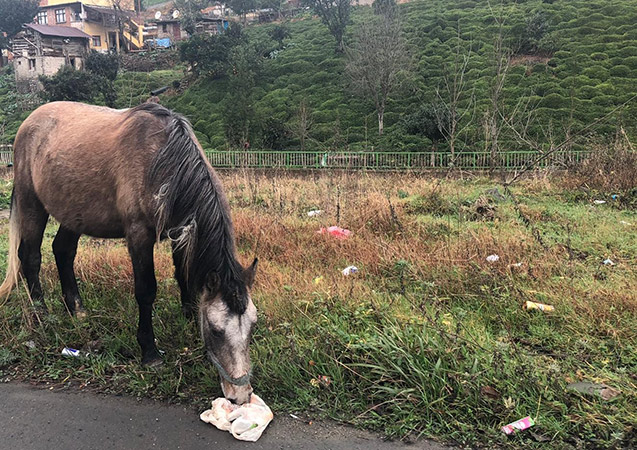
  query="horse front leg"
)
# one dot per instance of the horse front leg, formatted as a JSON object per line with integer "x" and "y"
{"x": 188, "y": 306}
{"x": 140, "y": 242}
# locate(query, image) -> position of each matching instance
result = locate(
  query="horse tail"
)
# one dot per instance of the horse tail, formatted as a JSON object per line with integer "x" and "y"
{"x": 13, "y": 262}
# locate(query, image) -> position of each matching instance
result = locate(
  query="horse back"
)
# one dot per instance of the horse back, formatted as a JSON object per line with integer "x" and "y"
{"x": 87, "y": 165}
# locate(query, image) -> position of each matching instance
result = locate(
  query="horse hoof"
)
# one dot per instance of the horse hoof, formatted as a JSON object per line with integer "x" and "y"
{"x": 155, "y": 361}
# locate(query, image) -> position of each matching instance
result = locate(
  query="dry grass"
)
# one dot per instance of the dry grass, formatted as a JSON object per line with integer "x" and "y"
{"x": 424, "y": 325}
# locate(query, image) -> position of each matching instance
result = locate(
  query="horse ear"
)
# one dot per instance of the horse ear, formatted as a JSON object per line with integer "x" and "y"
{"x": 250, "y": 273}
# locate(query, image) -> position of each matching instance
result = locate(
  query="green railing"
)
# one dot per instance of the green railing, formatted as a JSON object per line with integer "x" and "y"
{"x": 376, "y": 161}
{"x": 388, "y": 160}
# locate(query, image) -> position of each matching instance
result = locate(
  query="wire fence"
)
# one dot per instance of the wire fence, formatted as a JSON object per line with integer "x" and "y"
{"x": 376, "y": 161}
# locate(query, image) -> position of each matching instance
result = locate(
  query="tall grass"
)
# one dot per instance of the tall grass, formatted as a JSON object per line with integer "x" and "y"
{"x": 428, "y": 339}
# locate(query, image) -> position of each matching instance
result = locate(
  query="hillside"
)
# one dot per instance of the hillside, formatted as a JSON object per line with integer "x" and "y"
{"x": 573, "y": 62}
{"x": 590, "y": 67}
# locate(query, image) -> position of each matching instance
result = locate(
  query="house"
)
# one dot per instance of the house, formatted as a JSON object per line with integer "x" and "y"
{"x": 112, "y": 24}
{"x": 165, "y": 27}
{"x": 43, "y": 49}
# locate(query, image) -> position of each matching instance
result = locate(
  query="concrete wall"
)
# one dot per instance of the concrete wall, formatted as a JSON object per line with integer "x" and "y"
{"x": 26, "y": 75}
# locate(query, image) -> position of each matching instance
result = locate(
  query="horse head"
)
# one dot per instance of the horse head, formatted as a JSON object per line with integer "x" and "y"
{"x": 227, "y": 318}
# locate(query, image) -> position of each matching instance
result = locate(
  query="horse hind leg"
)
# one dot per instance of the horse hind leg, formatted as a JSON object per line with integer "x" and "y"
{"x": 65, "y": 249}
{"x": 32, "y": 220}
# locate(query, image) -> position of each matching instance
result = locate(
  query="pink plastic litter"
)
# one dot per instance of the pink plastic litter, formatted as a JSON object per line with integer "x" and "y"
{"x": 518, "y": 425}
{"x": 337, "y": 232}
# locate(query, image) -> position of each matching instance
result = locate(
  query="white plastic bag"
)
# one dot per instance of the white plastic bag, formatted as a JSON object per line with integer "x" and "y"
{"x": 246, "y": 422}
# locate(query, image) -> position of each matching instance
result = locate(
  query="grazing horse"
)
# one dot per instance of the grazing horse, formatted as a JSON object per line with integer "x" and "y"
{"x": 138, "y": 174}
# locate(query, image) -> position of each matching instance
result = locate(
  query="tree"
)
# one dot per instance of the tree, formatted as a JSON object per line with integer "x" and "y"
{"x": 279, "y": 33}
{"x": 189, "y": 13}
{"x": 239, "y": 111}
{"x": 14, "y": 13}
{"x": 334, "y": 14}
{"x": 242, "y": 7}
{"x": 103, "y": 64}
{"x": 105, "y": 67}
{"x": 302, "y": 123}
{"x": 378, "y": 63}
{"x": 276, "y": 5}
{"x": 452, "y": 94}
{"x": 209, "y": 55}
{"x": 429, "y": 121}
{"x": 387, "y": 8}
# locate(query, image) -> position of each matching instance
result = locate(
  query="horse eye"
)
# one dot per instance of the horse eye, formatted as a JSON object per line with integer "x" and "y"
{"x": 216, "y": 333}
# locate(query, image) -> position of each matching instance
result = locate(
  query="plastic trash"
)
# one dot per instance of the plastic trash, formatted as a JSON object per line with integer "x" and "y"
{"x": 314, "y": 212}
{"x": 71, "y": 352}
{"x": 540, "y": 306}
{"x": 608, "y": 262}
{"x": 337, "y": 232}
{"x": 518, "y": 425}
{"x": 614, "y": 197}
{"x": 599, "y": 202}
{"x": 623, "y": 222}
{"x": 595, "y": 389}
{"x": 350, "y": 270}
{"x": 493, "y": 258}
{"x": 246, "y": 422}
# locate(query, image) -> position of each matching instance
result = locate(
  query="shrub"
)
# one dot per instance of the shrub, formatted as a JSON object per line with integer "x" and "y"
{"x": 102, "y": 64}
{"x": 611, "y": 168}
{"x": 70, "y": 85}
{"x": 554, "y": 101}
{"x": 620, "y": 71}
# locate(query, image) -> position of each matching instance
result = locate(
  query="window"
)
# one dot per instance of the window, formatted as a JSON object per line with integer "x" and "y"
{"x": 31, "y": 64}
{"x": 60, "y": 16}
{"x": 42, "y": 18}
{"x": 164, "y": 28}
{"x": 97, "y": 41}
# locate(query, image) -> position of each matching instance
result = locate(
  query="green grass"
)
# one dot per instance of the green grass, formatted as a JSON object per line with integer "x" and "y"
{"x": 412, "y": 343}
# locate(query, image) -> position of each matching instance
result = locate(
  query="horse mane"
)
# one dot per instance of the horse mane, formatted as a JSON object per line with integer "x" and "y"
{"x": 193, "y": 212}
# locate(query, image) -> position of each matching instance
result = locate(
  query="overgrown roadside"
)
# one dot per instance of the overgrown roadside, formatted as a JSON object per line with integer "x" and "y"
{"x": 427, "y": 339}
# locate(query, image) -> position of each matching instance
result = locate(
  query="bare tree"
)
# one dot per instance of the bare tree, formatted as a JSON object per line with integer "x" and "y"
{"x": 300, "y": 126}
{"x": 378, "y": 62}
{"x": 501, "y": 62}
{"x": 454, "y": 96}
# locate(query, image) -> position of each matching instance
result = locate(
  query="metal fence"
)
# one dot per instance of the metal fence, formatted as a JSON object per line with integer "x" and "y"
{"x": 379, "y": 161}
{"x": 375, "y": 161}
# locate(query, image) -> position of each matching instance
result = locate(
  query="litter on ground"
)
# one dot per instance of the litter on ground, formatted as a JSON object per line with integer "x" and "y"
{"x": 71, "y": 352}
{"x": 493, "y": 258}
{"x": 518, "y": 425}
{"x": 608, "y": 262}
{"x": 594, "y": 389}
{"x": 539, "y": 306}
{"x": 349, "y": 270}
{"x": 246, "y": 422}
{"x": 599, "y": 202}
{"x": 314, "y": 212}
{"x": 337, "y": 232}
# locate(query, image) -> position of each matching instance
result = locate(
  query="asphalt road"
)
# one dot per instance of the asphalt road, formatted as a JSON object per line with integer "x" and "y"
{"x": 36, "y": 418}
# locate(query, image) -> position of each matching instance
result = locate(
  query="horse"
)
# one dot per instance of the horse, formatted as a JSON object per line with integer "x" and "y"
{"x": 138, "y": 174}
